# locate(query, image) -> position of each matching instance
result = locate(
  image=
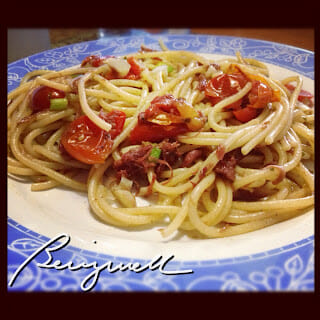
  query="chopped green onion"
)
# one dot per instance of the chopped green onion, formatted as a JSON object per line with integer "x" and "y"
{"x": 58, "y": 104}
{"x": 170, "y": 68}
{"x": 161, "y": 63}
{"x": 155, "y": 153}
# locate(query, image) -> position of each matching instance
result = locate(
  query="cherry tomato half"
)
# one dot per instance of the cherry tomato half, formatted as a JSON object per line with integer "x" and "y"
{"x": 245, "y": 114}
{"x": 155, "y": 133}
{"x": 260, "y": 95}
{"x": 41, "y": 97}
{"x": 225, "y": 85}
{"x": 153, "y": 130}
{"x": 87, "y": 142}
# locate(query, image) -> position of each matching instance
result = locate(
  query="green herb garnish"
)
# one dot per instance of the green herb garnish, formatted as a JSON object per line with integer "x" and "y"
{"x": 58, "y": 104}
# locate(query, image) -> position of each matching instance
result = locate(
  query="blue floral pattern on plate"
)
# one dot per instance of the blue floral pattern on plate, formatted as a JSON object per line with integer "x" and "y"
{"x": 288, "y": 268}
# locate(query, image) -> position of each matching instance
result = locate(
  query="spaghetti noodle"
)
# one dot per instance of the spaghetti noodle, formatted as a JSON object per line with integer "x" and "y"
{"x": 217, "y": 148}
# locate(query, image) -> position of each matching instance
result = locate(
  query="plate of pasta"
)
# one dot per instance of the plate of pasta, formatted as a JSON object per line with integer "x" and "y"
{"x": 173, "y": 162}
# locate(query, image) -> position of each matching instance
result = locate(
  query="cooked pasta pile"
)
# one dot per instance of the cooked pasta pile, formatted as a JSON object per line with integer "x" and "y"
{"x": 168, "y": 138}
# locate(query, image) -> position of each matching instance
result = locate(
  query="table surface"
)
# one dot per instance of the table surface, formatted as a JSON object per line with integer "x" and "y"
{"x": 24, "y": 42}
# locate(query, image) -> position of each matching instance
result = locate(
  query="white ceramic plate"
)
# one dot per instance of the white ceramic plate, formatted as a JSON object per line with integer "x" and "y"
{"x": 277, "y": 257}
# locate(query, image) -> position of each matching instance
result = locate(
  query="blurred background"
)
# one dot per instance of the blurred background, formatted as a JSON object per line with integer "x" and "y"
{"x": 23, "y": 42}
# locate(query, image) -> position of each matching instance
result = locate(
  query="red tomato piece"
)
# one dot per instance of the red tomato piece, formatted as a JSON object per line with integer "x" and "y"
{"x": 87, "y": 142}
{"x": 155, "y": 133}
{"x": 93, "y": 60}
{"x": 41, "y": 97}
{"x": 260, "y": 95}
{"x": 162, "y": 104}
{"x": 152, "y": 128}
{"x": 245, "y": 114}
{"x": 225, "y": 85}
{"x": 304, "y": 96}
{"x": 111, "y": 74}
{"x": 116, "y": 118}
{"x": 135, "y": 70}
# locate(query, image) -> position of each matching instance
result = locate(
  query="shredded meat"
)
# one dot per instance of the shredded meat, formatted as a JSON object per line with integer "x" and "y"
{"x": 134, "y": 165}
{"x": 169, "y": 151}
{"x": 226, "y": 166}
{"x": 170, "y": 156}
{"x": 246, "y": 195}
{"x": 191, "y": 157}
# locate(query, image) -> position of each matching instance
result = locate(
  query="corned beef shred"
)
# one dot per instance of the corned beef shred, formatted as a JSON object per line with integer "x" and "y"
{"x": 170, "y": 156}
{"x": 226, "y": 166}
{"x": 246, "y": 195}
{"x": 135, "y": 163}
{"x": 191, "y": 157}
{"x": 169, "y": 151}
